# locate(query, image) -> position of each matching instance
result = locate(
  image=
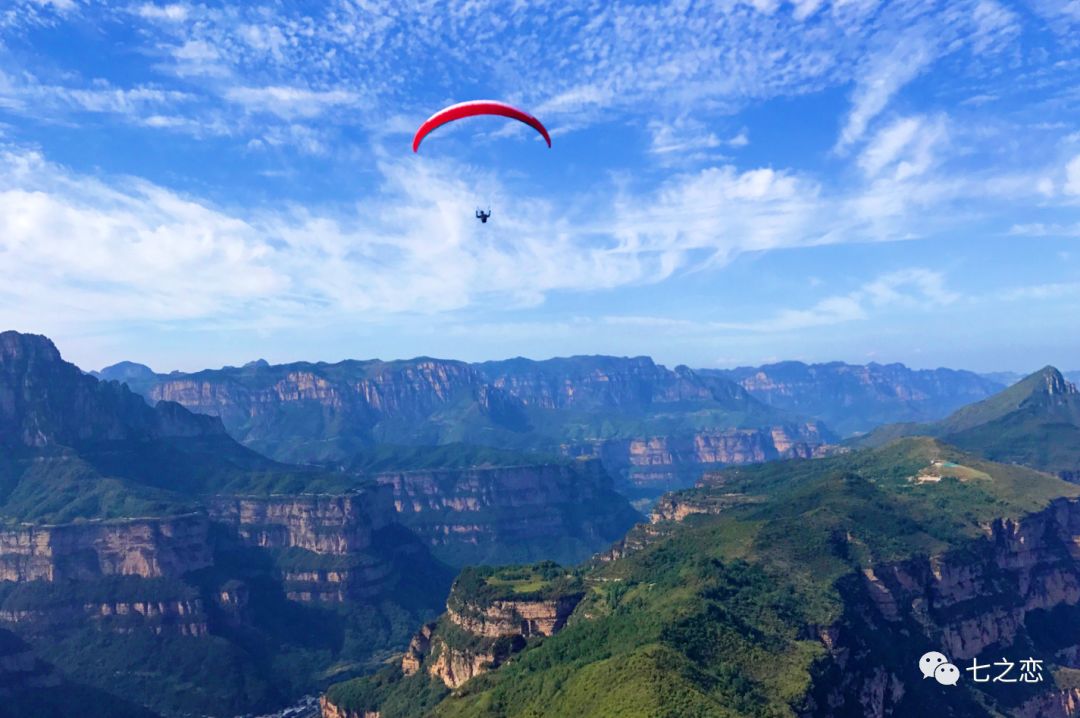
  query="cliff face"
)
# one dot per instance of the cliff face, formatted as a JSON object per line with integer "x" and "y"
{"x": 46, "y": 401}
{"x": 183, "y": 616}
{"x": 306, "y": 411}
{"x": 150, "y": 548}
{"x": 516, "y": 618}
{"x": 666, "y": 462}
{"x": 322, "y": 524}
{"x": 1037, "y": 555}
{"x": 473, "y": 638}
{"x": 970, "y": 603}
{"x": 316, "y": 410}
{"x": 504, "y": 514}
{"x": 328, "y": 540}
{"x": 604, "y": 382}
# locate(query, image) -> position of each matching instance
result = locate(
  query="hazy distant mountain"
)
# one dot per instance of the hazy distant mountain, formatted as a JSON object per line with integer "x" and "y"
{"x": 1035, "y": 422}
{"x": 853, "y": 398}
{"x": 1005, "y": 378}
{"x": 137, "y": 376}
{"x": 653, "y": 426}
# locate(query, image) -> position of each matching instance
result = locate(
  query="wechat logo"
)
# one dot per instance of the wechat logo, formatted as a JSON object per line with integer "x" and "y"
{"x": 935, "y": 665}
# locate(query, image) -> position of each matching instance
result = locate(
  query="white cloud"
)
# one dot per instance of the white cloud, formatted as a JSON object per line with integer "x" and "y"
{"x": 883, "y": 76}
{"x": 1050, "y": 290}
{"x": 908, "y": 146}
{"x": 290, "y": 102}
{"x": 173, "y": 12}
{"x": 1072, "y": 177}
{"x": 26, "y": 95}
{"x": 914, "y": 289}
{"x": 79, "y": 248}
{"x": 1039, "y": 229}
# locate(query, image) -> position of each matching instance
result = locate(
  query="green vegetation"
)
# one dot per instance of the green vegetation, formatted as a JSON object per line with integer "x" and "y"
{"x": 391, "y": 693}
{"x": 457, "y": 455}
{"x": 480, "y": 586}
{"x": 719, "y": 615}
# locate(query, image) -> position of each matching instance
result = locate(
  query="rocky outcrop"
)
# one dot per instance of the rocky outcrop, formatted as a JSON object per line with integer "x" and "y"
{"x": 516, "y": 618}
{"x": 329, "y": 710}
{"x": 677, "y": 506}
{"x": 487, "y": 620}
{"x": 419, "y": 646}
{"x": 507, "y": 514}
{"x": 150, "y": 548}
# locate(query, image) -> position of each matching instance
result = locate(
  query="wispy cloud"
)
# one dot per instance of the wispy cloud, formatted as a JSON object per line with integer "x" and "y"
{"x": 290, "y": 102}
{"x": 916, "y": 289}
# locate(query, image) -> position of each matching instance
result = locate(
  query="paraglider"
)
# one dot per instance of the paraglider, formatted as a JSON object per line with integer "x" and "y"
{"x": 473, "y": 109}
{"x": 476, "y": 108}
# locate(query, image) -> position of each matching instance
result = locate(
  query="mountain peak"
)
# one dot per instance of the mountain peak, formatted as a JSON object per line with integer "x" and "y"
{"x": 125, "y": 371}
{"x": 1049, "y": 381}
{"x": 15, "y": 345}
{"x": 45, "y": 400}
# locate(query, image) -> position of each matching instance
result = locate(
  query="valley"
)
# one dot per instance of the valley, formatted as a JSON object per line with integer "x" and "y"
{"x": 429, "y": 538}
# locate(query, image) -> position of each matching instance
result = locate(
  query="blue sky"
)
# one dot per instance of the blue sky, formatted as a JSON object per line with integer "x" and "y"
{"x": 198, "y": 184}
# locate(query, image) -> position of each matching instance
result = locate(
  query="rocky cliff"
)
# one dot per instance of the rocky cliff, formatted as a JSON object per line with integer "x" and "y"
{"x": 488, "y": 619}
{"x": 319, "y": 411}
{"x": 1038, "y": 556}
{"x": 505, "y": 514}
{"x": 329, "y": 710}
{"x": 491, "y": 615}
{"x": 184, "y": 615}
{"x": 46, "y": 401}
{"x": 592, "y": 382}
{"x": 324, "y": 543}
{"x": 150, "y": 548}
{"x": 323, "y": 524}
{"x": 307, "y": 411}
{"x": 660, "y": 463}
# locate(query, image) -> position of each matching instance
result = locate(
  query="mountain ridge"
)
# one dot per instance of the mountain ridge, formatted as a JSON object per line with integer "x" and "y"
{"x": 854, "y": 398}
{"x": 1035, "y": 422}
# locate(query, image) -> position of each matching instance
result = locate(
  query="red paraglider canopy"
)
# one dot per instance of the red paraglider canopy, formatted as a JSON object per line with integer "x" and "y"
{"x": 472, "y": 109}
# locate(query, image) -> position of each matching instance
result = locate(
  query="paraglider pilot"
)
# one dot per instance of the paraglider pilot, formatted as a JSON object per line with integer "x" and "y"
{"x": 482, "y": 215}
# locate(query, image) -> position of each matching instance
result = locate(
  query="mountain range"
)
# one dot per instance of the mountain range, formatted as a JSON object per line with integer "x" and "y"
{"x": 653, "y": 427}
{"x": 1034, "y": 422}
{"x": 147, "y": 556}
{"x": 226, "y": 541}
{"x": 853, "y": 399}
